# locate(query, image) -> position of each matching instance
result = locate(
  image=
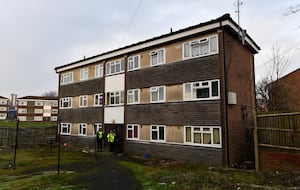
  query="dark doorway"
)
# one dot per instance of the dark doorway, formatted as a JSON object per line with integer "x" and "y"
{"x": 119, "y": 138}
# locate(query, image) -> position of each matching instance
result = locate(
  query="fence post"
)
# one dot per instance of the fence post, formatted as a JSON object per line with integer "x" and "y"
{"x": 16, "y": 144}
{"x": 255, "y": 136}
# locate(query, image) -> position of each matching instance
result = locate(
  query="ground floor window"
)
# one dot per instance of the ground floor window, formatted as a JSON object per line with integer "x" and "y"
{"x": 158, "y": 133}
{"x": 203, "y": 136}
{"x": 97, "y": 127}
{"x": 132, "y": 132}
{"x": 82, "y": 129}
{"x": 65, "y": 128}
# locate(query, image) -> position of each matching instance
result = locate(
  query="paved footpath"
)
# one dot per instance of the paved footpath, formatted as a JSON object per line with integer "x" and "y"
{"x": 109, "y": 175}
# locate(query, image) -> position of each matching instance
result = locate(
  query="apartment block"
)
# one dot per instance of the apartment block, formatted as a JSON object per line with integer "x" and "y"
{"x": 37, "y": 109}
{"x": 4, "y": 104}
{"x": 188, "y": 94}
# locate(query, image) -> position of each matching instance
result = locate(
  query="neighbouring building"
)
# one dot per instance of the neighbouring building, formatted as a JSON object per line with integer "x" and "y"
{"x": 188, "y": 94}
{"x": 289, "y": 85}
{"x": 3, "y": 108}
{"x": 37, "y": 109}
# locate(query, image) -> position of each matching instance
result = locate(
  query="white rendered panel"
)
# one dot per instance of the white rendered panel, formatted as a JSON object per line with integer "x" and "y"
{"x": 114, "y": 115}
{"x": 115, "y": 83}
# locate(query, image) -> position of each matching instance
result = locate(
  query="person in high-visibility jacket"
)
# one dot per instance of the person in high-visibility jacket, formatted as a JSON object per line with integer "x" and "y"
{"x": 100, "y": 136}
{"x": 111, "y": 140}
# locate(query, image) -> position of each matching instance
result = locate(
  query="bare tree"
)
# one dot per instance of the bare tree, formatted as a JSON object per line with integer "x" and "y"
{"x": 272, "y": 94}
{"x": 292, "y": 10}
{"x": 50, "y": 94}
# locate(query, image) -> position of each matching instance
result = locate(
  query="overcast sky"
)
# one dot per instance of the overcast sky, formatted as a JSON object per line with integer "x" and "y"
{"x": 38, "y": 35}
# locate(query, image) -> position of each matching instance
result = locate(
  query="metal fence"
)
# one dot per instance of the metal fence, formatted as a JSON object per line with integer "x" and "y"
{"x": 27, "y": 137}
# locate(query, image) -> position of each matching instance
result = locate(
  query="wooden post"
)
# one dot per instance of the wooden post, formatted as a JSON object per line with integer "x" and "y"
{"x": 16, "y": 144}
{"x": 255, "y": 136}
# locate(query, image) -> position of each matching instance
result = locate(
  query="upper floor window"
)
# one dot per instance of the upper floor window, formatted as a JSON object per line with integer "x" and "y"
{"x": 3, "y": 108}
{"x": 82, "y": 129}
{"x": 202, "y": 90}
{"x": 157, "y": 94}
{"x": 204, "y": 136}
{"x": 115, "y": 67}
{"x": 115, "y": 98}
{"x": 133, "y": 63}
{"x": 158, "y": 133}
{"x": 157, "y": 57}
{"x": 66, "y": 102}
{"x": 66, "y": 78}
{"x": 65, "y": 128}
{"x": 201, "y": 47}
{"x": 133, "y": 96}
{"x": 84, "y": 74}
{"x": 38, "y": 103}
{"x": 83, "y": 101}
{"x": 98, "y": 98}
{"x": 22, "y": 103}
{"x": 3, "y": 102}
{"x": 99, "y": 70}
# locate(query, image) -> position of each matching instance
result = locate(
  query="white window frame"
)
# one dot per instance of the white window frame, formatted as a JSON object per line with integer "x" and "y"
{"x": 2, "y": 108}
{"x": 83, "y": 101}
{"x": 157, "y": 54}
{"x": 133, "y": 62}
{"x": 201, "y": 131}
{"x": 99, "y": 70}
{"x": 38, "y": 118}
{"x": 3, "y": 102}
{"x": 98, "y": 100}
{"x": 131, "y": 95}
{"x": 84, "y": 74}
{"x": 190, "y": 93}
{"x": 130, "y": 128}
{"x": 158, "y": 90}
{"x": 157, "y": 131}
{"x": 38, "y": 111}
{"x": 117, "y": 97}
{"x": 68, "y": 101}
{"x": 66, "y": 78}
{"x": 212, "y": 47}
{"x": 115, "y": 67}
{"x": 39, "y": 103}
{"x": 68, "y": 127}
{"x": 82, "y": 129}
{"x": 98, "y": 126}
{"x": 53, "y": 118}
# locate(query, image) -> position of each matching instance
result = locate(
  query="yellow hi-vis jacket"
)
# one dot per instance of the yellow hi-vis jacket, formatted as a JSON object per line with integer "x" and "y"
{"x": 100, "y": 134}
{"x": 110, "y": 137}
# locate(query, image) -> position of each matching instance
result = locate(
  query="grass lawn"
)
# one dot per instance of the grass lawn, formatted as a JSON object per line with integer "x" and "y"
{"x": 8, "y": 123}
{"x": 156, "y": 174}
{"x": 37, "y": 169}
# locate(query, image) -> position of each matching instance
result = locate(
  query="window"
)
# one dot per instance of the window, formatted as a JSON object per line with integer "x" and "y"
{"x": 157, "y": 94}
{"x": 115, "y": 98}
{"x": 98, "y": 126}
{"x": 38, "y": 111}
{"x": 133, "y": 63}
{"x": 99, "y": 70}
{"x": 133, "y": 96}
{"x": 54, "y": 111}
{"x": 98, "y": 98}
{"x": 66, "y": 102}
{"x": 84, "y": 74}
{"x": 83, "y": 101}
{"x": 82, "y": 129}
{"x": 3, "y": 102}
{"x": 53, "y": 118}
{"x": 38, "y": 103}
{"x": 157, "y": 57}
{"x": 38, "y": 118}
{"x": 204, "y": 90}
{"x": 158, "y": 133}
{"x": 132, "y": 132}
{"x": 201, "y": 47}
{"x": 115, "y": 67}
{"x": 22, "y": 103}
{"x": 3, "y": 108}
{"x": 66, "y": 78}
{"x": 203, "y": 136}
{"x": 65, "y": 128}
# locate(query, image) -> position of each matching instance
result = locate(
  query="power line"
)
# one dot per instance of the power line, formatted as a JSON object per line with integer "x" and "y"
{"x": 130, "y": 22}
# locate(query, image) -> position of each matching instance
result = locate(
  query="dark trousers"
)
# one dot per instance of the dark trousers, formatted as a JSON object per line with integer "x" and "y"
{"x": 99, "y": 142}
{"x": 111, "y": 146}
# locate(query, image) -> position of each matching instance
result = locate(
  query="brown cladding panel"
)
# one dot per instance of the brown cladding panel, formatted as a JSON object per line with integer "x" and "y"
{"x": 82, "y": 115}
{"x": 184, "y": 113}
{"x": 86, "y": 88}
{"x": 204, "y": 68}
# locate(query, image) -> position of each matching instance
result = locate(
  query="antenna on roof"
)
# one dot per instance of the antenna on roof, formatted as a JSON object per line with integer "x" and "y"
{"x": 241, "y": 32}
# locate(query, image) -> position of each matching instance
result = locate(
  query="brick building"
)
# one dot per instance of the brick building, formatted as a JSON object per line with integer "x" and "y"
{"x": 4, "y": 105}
{"x": 188, "y": 94}
{"x": 37, "y": 109}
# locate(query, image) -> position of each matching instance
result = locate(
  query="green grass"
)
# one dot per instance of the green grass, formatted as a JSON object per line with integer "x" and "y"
{"x": 37, "y": 169}
{"x": 187, "y": 176}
